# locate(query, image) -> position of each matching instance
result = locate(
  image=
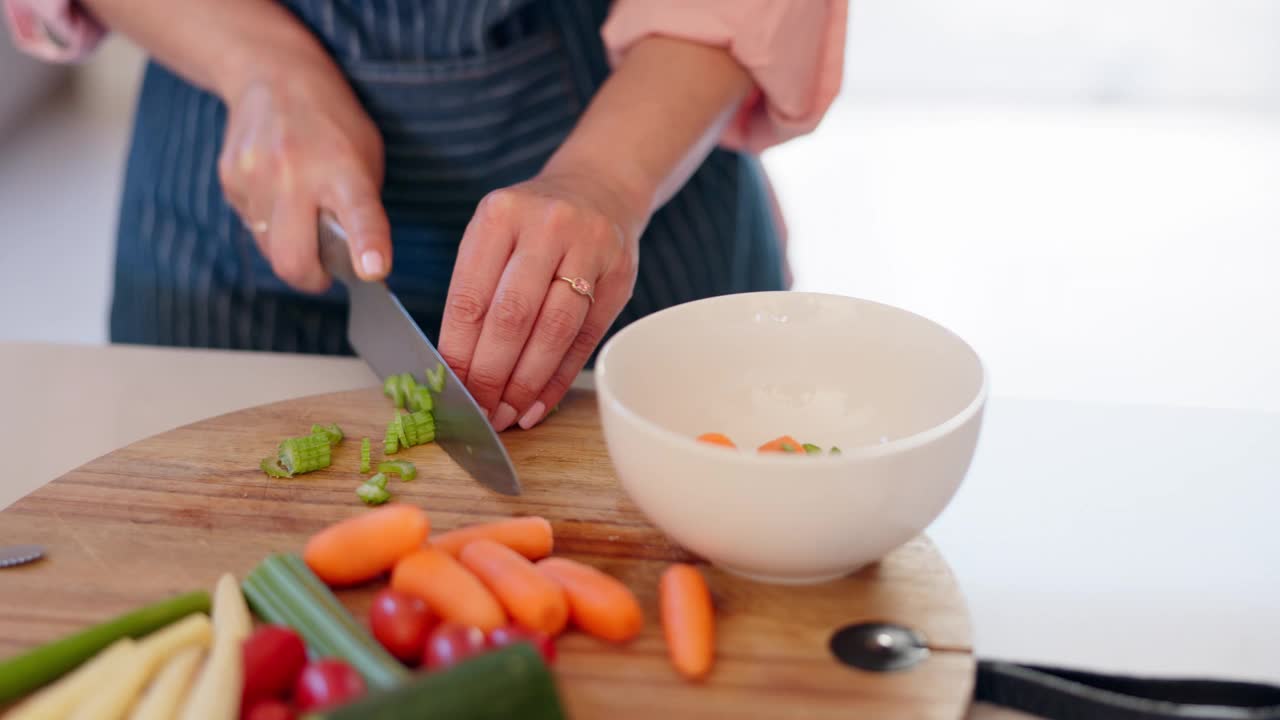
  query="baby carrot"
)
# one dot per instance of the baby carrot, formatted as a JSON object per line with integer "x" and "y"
{"x": 531, "y": 598}
{"x": 365, "y": 546}
{"x": 598, "y": 603}
{"x": 688, "y": 621}
{"x": 784, "y": 444}
{"x": 716, "y": 439}
{"x": 448, "y": 588}
{"x": 529, "y": 536}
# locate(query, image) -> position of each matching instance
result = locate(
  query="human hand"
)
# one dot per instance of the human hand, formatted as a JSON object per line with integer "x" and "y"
{"x": 514, "y": 331}
{"x": 296, "y": 143}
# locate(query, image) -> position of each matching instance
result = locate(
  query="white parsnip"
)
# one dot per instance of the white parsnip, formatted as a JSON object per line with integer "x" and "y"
{"x": 59, "y": 699}
{"x": 169, "y": 690}
{"x": 113, "y": 701}
{"x": 216, "y": 694}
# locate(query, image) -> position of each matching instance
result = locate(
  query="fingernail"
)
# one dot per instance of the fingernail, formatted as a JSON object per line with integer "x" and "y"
{"x": 533, "y": 415}
{"x": 371, "y": 261}
{"x": 503, "y": 418}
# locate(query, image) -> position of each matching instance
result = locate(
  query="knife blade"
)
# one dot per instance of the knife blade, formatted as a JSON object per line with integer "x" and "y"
{"x": 387, "y": 338}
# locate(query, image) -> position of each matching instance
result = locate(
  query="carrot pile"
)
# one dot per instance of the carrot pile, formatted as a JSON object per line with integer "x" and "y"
{"x": 481, "y": 576}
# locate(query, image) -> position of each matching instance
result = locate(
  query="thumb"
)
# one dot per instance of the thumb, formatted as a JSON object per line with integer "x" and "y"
{"x": 359, "y": 210}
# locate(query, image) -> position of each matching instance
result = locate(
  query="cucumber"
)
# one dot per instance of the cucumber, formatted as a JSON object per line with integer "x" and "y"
{"x": 24, "y": 673}
{"x": 509, "y": 683}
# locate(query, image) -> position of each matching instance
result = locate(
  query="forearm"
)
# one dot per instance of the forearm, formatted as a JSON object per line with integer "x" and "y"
{"x": 655, "y": 119}
{"x": 217, "y": 45}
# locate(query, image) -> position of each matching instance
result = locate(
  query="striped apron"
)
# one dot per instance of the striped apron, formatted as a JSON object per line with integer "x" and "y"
{"x": 470, "y": 96}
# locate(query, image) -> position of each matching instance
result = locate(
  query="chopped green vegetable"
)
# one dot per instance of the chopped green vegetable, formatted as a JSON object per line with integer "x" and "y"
{"x": 812, "y": 449}
{"x": 787, "y": 447}
{"x": 271, "y": 466}
{"x": 405, "y": 469}
{"x": 391, "y": 441}
{"x": 419, "y": 428}
{"x": 373, "y": 494}
{"x": 331, "y": 431}
{"x": 365, "y": 450}
{"x": 401, "y": 436}
{"x": 435, "y": 379}
{"x": 378, "y": 480}
{"x": 391, "y": 388}
{"x": 835, "y": 450}
{"x": 305, "y": 454}
{"x": 41, "y": 666}
{"x": 512, "y": 682}
{"x": 283, "y": 590}
{"x": 420, "y": 400}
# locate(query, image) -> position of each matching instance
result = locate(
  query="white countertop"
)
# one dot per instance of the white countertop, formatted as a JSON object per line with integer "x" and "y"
{"x": 1134, "y": 539}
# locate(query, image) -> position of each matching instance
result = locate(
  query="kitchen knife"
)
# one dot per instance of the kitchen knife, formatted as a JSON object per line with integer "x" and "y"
{"x": 387, "y": 338}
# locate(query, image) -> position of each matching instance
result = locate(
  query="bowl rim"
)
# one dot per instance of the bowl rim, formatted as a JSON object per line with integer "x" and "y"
{"x": 846, "y": 456}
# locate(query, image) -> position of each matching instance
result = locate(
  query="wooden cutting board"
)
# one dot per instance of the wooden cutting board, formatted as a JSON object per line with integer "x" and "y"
{"x": 171, "y": 513}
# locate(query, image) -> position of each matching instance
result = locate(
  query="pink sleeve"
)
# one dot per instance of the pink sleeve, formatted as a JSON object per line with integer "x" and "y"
{"x": 794, "y": 50}
{"x": 53, "y": 30}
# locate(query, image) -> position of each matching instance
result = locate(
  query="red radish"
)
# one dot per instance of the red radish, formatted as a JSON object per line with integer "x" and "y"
{"x": 511, "y": 634}
{"x": 450, "y": 644}
{"x": 401, "y": 622}
{"x": 327, "y": 683}
{"x": 269, "y": 709}
{"x": 273, "y": 657}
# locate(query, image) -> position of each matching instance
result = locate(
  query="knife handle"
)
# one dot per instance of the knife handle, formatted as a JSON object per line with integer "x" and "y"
{"x": 335, "y": 252}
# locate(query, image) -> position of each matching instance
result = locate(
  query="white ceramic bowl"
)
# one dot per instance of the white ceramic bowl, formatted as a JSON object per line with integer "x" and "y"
{"x": 900, "y": 395}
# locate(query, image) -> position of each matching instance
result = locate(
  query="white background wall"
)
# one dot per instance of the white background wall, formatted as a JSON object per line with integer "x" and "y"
{"x": 1085, "y": 190}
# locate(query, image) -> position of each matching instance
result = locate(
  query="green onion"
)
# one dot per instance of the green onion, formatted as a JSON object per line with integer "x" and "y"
{"x": 835, "y": 450}
{"x": 419, "y": 427}
{"x": 36, "y": 668}
{"x": 271, "y": 466}
{"x": 364, "y": 455}
{"x": 305, "y": 454}
{"x": 378, "y": 480}
{"x": 787, "y": 447}
{"x": 373, "y": 494}
{"x": 331, "y": 431}
{"x": 435, "y": 379}
{"x": 403, "y": 468}
{"x": 812, "y": 449}
{"x": 283, "y": 590}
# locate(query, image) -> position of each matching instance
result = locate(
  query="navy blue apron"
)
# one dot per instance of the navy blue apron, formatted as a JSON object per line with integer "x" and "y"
{"x": 470, "y": 96}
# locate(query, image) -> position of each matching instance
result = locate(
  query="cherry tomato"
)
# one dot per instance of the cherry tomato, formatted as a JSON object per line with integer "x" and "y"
{"x": 401, "y": 623}
{"x": 450, "y": 644}
{"x": 269, "y": 709}
{"x": 511, "y": 634}
{"x": 327, "y": 683}
{"x": 273, "y": 658}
